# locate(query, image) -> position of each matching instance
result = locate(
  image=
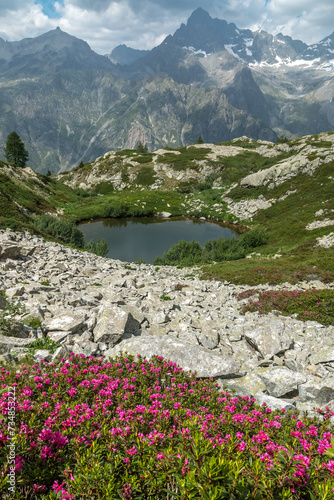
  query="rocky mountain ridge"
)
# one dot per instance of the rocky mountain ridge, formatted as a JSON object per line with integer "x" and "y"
{"x": 96, "y": 306}
{"x": 209, "y": 79}
{"x": 204, "y": 36}
{"x": 165, "y": 169}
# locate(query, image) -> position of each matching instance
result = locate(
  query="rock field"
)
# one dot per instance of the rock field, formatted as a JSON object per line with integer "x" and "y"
{"x": 98, "y": 306}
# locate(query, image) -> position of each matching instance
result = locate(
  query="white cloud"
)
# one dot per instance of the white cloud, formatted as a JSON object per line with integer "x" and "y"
{"x": 144, "y": 23}
{"x": 306, "y": 20}
{"x": 25, "y": 21}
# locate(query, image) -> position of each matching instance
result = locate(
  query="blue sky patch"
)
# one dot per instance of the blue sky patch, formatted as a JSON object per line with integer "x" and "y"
{"x": 48, "y": 8}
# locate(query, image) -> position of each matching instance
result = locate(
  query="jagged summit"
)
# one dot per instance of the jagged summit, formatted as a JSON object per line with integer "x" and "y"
{"x": 208, "y": 34}
{"x": 48, "y": 53}
{"x": 199, "y": 16}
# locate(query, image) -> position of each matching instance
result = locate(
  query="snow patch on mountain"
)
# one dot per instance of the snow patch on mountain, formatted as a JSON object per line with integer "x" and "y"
{"x": 288, "y": 62}
{"x": 230, "y": 50}
{"x": 194, "y": 51}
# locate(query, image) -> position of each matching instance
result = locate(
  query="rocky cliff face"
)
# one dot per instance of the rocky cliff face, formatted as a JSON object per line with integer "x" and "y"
{"x": 126, "y": 55}
{"x": 210, "y": 78}
{"x": 96, "y": 306}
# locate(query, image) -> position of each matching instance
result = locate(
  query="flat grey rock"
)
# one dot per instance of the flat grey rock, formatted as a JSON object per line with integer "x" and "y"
{"x": 66, "y": 322}
{"x": 323, "y": 354}
{"x": 280, "y": 381}
{"x": 269, "y": 341}
{"x": 274, "y": 403}
{"x": 191, "y": 358}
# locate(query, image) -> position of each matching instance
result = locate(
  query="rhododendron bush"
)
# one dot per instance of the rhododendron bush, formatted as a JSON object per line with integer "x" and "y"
{"x": 129, "y": 428}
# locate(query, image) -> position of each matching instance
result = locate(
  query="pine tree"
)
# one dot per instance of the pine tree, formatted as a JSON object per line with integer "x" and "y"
{"x": 141, "y": 148}
{"x": 15, "y": 150}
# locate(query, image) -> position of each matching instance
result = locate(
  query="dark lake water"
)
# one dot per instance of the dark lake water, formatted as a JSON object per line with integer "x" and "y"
{"x": 147, "y": 238}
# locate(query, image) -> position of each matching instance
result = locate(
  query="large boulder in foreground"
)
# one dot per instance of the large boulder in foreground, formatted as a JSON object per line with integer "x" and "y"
{"x": 114, "y": 324}
{"x": 277, "y": 342}
{"x": 192, "y": 358}
{"x": 281, "y": 381}
{"x": 67, "y": 321}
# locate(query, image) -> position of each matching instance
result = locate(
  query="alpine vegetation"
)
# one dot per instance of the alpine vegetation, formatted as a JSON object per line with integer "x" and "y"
{"x": 130, "y": 428}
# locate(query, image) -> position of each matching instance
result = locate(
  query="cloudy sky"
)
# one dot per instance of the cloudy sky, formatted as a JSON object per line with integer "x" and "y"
{"x": 143, "y": 24}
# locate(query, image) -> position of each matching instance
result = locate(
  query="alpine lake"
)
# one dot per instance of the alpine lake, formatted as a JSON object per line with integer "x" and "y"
{"x": 143, "y": 239}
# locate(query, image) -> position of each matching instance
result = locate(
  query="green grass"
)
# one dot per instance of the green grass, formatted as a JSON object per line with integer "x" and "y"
{"x": 248, "y": 162}
{"x": 10, "y": 214}
{"x": 286, "y": 220}
{"x": 188, "y": 159}
{"x": 249, "y": 143}
{"x": 32, "y": 321}
{"x": 146, "y": 176}
{"x": 285, "y": 223}
{"x": 144, "y": 158}
{"x": 24, "y": 195}
{"x": 309, "y": 305}
{"x": 286, "y": 269}
{"x": 165, "y": 297}
{"x": 151, "y": 201}
{"x": 104, "y": 187}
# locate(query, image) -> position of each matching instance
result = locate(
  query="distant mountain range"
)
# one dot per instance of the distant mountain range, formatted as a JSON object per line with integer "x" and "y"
{"x": 208, "y": 79}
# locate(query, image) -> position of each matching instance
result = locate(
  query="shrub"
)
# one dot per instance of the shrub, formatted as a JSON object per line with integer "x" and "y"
{"x": 224, "y": 249}
{"x": 190, "y": 253}
{"x": 100, "y": 248}
{"x": 146, "y": 176}
{"x": 282, "y": 139}
{"x": 132, "y": 428}
{"x": 68, "y": 232}
{"x": 147, "y": 158}
{"x": 184, "y": 252}
{"x": 8, "y": 322}
{"x": 83, "y": 193}
{"x": 104, "y": 188}
{"x": 117, "y": 210}
{"x": 124, "y": 175}
{"x": 141, "y": 148}
{"x": 316, "y": 305}
{"x": 33, "y": 321}
{"x": 254, "y": 238}
{"x": 134, "y": 211}
{"x": 62, "y": 229}
{"x": 187, "y": 186}
{"x": 122, "y": 210}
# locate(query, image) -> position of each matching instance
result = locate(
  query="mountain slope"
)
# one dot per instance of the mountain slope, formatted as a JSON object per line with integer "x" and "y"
{"x": 284, "y": 188}
{"x": 48, "y": 54}
{"x": 209, "y": 78}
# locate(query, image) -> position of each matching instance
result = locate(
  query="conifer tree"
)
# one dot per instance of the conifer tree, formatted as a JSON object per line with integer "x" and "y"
{"x": 15, "y": 150}
{"x": 141, "y": 148}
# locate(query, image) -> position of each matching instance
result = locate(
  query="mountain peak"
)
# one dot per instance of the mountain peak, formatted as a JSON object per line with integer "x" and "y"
{"x": 199, "y": 15}
{"x": 122, "y": 54}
